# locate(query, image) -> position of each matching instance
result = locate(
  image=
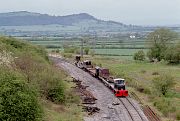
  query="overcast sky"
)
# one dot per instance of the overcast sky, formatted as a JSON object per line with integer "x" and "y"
{"x": 139, "y": 12}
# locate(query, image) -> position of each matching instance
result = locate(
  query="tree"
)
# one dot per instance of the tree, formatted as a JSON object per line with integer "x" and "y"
{"x": 163, "y": 83}
{"x": 172, "y": 54}
{"x": 159, "y": 41}
{"x": 86, "y": 50}
{"x": 140, "y": 55}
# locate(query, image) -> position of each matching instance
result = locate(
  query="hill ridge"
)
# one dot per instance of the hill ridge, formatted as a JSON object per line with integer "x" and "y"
{"x": 20, "y": 18}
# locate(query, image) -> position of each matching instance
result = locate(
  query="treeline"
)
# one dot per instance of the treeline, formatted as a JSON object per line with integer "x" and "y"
{"x": 107, "y": 47}
{"x": 26, "y": 77}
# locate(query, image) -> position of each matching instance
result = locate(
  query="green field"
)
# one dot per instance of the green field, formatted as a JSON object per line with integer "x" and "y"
{"x": 117, "y": 52}
{"x": 114, "y": 47}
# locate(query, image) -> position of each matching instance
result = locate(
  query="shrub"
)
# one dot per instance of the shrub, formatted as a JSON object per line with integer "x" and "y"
{"x": 163, "y": 84}
{"x": 17, "y": 101}
{"x": 147, "y": 90}
{"x": 172, "y": 54}
{"x": 57, "y": 51}
{"x": 70, "y": 49}
{"x": 155, "y": 54}
{"x": 139, "y": 55}
{"x": 86, "y": 50}
{"x": 56, "y": 93}
{"x": 50, "y": 83}
{"x": 178, "y": 116}
{"x": 164, "y": 105}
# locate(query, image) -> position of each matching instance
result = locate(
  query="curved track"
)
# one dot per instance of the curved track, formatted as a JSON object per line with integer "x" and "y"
{"x": 126, "y": 111}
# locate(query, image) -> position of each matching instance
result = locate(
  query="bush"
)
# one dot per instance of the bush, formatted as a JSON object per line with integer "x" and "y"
{"x": 155, "y": 54}
{"x": 56, "y": 93}
{"x": 172, "y": 54}
{"x": 178, "y": 116}
{"x": 70, "y": 49}
{"x": 164, "y": 105}
{"x": 57, "y": 51}
{"x": 17, "y": 101}
{"x": 163, "y": 84}
{"x": 86, "y": 50}
{"x": 139, "y": 55}
{"x": 147, "y": 90}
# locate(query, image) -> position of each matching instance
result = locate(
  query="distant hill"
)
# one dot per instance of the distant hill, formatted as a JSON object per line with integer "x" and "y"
{"x": 23, "y": 18}
{"x": 24, "y": 23}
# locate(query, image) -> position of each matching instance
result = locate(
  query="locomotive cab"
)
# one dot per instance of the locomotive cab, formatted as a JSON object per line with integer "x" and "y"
{"x": 119, "y": 84}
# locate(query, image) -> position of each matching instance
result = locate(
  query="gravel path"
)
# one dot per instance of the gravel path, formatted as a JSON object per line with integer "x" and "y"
{"x": 105, "y": 98}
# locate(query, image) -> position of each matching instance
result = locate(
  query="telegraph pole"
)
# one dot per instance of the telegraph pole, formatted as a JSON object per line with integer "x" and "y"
{"x": 82, "y": 47}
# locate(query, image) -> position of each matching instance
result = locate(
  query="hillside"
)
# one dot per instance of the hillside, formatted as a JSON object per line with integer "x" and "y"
{"x": 32, "y": 89}
{"x": 27, "y": 18}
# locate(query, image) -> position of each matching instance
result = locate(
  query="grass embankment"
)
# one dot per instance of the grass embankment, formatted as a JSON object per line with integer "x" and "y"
{"x": 32, "y": 89}
{"x": 139, "y": 76}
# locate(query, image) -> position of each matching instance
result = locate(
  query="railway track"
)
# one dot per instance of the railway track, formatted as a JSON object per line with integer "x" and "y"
{"x": 132, "y": 111}
{"x": 151, "y": 115}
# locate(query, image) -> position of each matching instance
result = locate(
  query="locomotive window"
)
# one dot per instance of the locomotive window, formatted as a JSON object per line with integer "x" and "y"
{"x": 120, "y": 81}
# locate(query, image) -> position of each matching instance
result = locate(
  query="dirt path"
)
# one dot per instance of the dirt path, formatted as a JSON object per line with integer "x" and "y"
{"x": 108, "y": 111}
